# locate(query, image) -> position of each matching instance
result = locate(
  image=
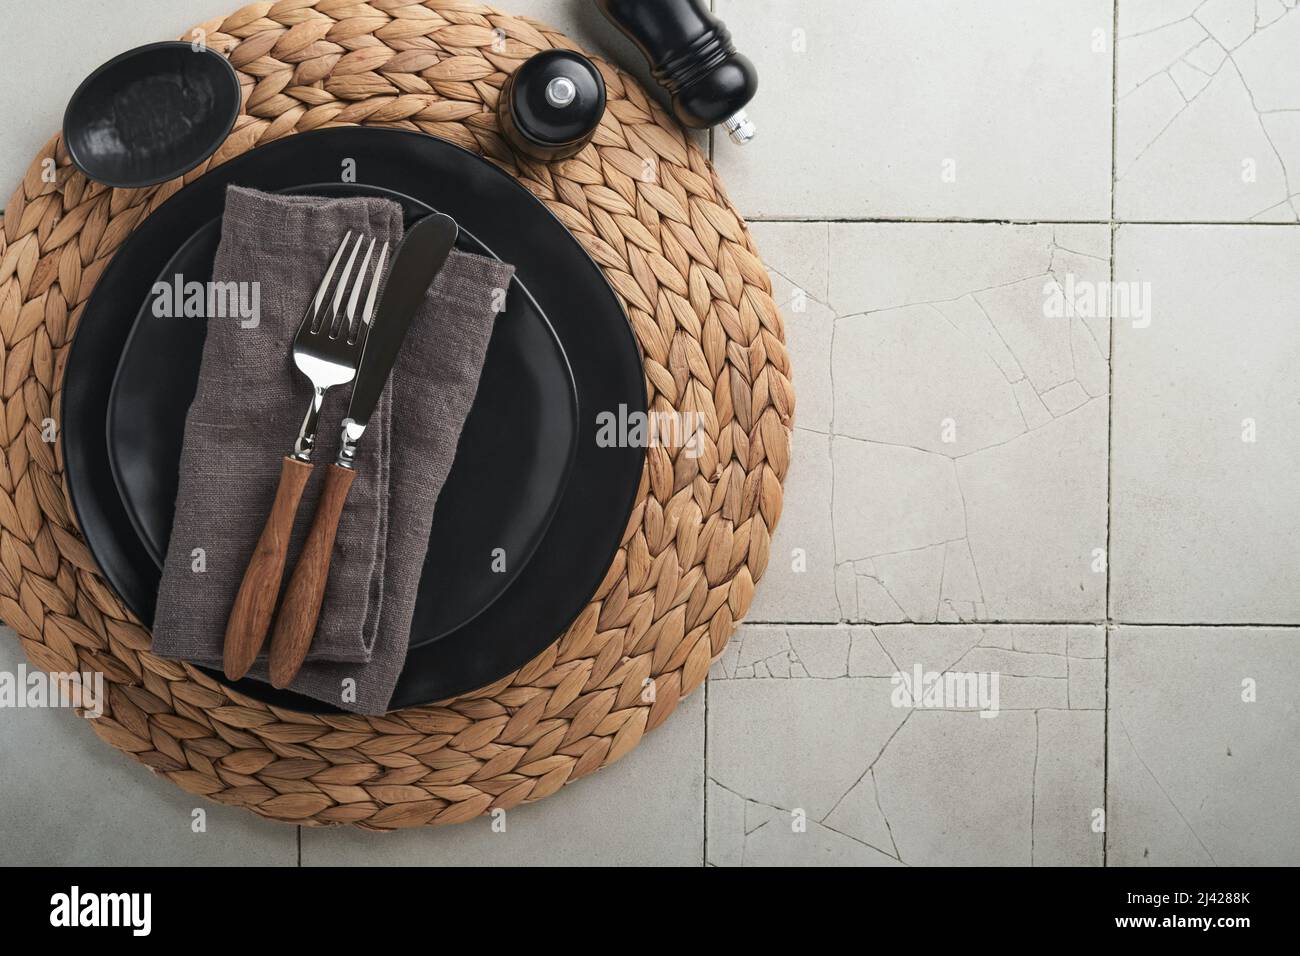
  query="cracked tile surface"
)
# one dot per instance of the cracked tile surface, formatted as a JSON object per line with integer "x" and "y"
{"x": 905, "y": 108}
{"x": 1204, "y": 748}
{"x": 950, "y": 448}
{"x": 1207, "y": 411}
{"x": 1208, "y": 110}
{"x": 812, "y": 761}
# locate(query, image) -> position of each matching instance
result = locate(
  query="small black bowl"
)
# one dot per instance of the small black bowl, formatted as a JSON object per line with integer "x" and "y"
{"x": 151, "y": 114}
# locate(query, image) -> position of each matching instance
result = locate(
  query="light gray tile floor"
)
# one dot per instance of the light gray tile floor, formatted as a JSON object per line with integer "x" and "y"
{"x": 1046, "y": 431}
{"x": 1204, "y": 747}
{"x": 951, "y": 445}
{"x": 67, "y": 798}
{"x": 1207, "y": 427}
{"x": 1209, "y": 110}
{"x": 813, "y": 757}
{"x": 925, "y": 108}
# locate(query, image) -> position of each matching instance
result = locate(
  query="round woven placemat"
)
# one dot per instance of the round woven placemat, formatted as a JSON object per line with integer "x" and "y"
{"x": 648, "y": 207}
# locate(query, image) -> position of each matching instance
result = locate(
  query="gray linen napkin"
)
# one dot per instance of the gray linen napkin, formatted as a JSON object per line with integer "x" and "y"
{"x": 245, "y": 415}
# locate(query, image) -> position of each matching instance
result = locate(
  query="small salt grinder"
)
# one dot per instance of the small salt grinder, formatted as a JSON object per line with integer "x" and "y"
{"x": 692, "y": 57}
{"x": 550, "y": 107}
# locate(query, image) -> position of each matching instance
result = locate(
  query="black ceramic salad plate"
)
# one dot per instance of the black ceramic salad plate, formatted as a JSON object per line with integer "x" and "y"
{"x": 524, "y": 425}
{"x": 587, "y": 520}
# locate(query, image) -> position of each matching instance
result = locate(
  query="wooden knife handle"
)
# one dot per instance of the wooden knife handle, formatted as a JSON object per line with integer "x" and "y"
{"x": 296, "y": 623}
{"x": 250, "y": 616}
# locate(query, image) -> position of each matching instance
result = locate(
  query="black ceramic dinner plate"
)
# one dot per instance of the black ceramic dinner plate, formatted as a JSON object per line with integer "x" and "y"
{"x": 523, "y": 423}
{"x": 593, "y": 509}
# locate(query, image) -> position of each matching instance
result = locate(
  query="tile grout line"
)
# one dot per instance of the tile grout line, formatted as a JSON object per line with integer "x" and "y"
{"x": 704, "y": 829}
{"x": 1114, "y": 106}
{"x": 961, "y": 220}
{"x": 1110, "y": 437}
{"x": 1107, "y": 623}
{"x": 1105, "y": 750}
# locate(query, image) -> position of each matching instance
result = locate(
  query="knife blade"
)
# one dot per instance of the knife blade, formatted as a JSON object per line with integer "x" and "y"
{"x": 419, "y": 258}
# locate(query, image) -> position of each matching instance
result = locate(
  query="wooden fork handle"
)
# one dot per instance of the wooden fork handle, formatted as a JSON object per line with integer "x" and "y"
{"x": 296, "y": 623}
{"x": 250, "y": 616}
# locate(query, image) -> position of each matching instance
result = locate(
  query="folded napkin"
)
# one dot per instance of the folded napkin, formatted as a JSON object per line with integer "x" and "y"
{"x": 244, "y": 418}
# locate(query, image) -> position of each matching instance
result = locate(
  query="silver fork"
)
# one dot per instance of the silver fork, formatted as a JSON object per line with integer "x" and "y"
{"x": 327, "y": 350}
{"x": 329, "y": 343}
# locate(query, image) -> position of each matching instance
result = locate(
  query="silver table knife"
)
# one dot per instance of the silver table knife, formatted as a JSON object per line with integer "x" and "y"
{"x": 418, "y": 259}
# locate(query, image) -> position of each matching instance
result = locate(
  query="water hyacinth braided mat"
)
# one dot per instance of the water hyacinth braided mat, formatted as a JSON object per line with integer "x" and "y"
{"x": 683, "y": 264}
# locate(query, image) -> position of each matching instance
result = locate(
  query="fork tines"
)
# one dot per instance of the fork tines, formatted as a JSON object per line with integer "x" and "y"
{"x": 326, "y": 314}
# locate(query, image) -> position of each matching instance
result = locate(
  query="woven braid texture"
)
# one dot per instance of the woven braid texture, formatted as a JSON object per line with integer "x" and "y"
{"x": 647, "y": 206}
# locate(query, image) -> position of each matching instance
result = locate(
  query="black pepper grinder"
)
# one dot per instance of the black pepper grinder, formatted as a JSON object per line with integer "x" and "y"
{"x": 550, "y": 107}
{"x": 691, "y": 56}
